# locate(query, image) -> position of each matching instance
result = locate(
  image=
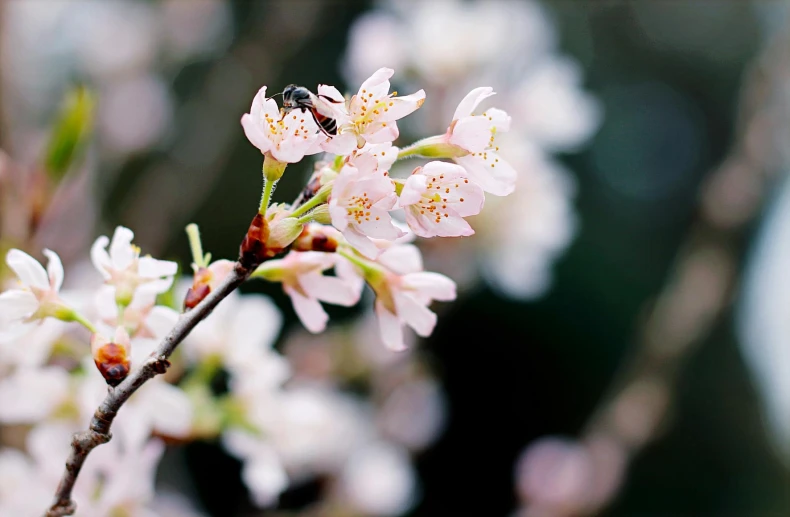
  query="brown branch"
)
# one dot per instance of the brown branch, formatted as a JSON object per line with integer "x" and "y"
{"x": 99, "y": 431}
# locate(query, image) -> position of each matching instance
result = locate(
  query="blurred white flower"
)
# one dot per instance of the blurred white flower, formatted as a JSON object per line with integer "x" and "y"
{"x": 522, "y": 235}
{"x": 33, "y": 348}
{"x": 196, "y": 28}
{"x": 763, "y": 319}
{"x": 550, "y": 109}
{"x": 434, "y": 39}
{"x": 380, "y": 480}
{"x": 114, "y": 38}
{"x": 263, "y": 473}
{"x": 240, "y": 333}
{"x": 134, "y": 113}
{"x": 22, "y": 489}
{"x": 413, "y": 414}
{"x": 30, "y": 395}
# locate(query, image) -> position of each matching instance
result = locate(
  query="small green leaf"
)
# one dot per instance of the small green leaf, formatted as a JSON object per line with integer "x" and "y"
{"x": 70, "y": 132}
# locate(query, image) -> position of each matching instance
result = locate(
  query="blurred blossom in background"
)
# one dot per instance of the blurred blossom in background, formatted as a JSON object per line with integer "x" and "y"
{"x": 620, "y": 113}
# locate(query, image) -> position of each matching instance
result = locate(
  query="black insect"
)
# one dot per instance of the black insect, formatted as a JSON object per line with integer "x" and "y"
{"x": 299, "y": 97}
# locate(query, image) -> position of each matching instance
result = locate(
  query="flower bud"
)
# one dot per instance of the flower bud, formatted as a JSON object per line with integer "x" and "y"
{"x": 321, "y": 214}
{"x": 112, "y": 357}
{"x": 205, "y": 280}
{"x": 199, "y": 290}
{"x": 282, "y": 233}
{"x": 316, "y": 237}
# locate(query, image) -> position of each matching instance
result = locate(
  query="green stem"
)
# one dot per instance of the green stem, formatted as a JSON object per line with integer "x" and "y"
{"x": 312, "y": 203}
{"x": 356, "y": 259}
{"x": 82, "y": 320}
{"x": 268, "y": 186}
{"x": 193, "y": 233}
{"x": 412, "y": 151}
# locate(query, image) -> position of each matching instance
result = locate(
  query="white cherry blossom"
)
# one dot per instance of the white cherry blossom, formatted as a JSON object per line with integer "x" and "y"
{"x": 286, "y": 137}
{"x": 37, "y": 296}
{"x": 240, "y": 333}
{"x": 436, "y": 199}
{"x": 124, "y": 268}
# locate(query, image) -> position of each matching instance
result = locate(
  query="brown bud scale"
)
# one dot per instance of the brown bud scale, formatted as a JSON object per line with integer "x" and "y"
{"x": 195, "y": 295}
{"x": 253, "y": 248}
{"x": 113, "y": 363}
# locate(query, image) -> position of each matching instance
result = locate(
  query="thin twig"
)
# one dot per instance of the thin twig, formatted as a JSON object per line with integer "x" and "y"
{"x": 99, "y": 431}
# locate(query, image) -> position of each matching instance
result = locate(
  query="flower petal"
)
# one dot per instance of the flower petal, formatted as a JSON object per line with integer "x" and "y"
{"x": 391, "y": 328}
{"x": 471, "y": 133}
{"x": 415, "y": 314}
{"x": 148, "y": 267}
{"x": 100, "y": 257}
{"x": 16, "y": 305}
{"x": 28, "y": 269}
{"x": 499, "y": 180}
{"x": 373, "y": 83}
{"x": 413, "y": 189}
{"x": 433, "y": 285}
{"x": 467, "y": 106}
{"x": 381, "y": 132}
{"x": 54, "y": 270}
{"x": 309, "y": 310}
{"x": 329, "y": 289}
{"x": 402, "y": 259}
{"x": 361, "y": 242}
{"x": 122, "y": 254}
{"x": 255, "y": 134}
{"x": 399, "y": 107}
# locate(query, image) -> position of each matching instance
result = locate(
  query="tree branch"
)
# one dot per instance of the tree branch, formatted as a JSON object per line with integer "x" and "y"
{"x": 99, "y": 431}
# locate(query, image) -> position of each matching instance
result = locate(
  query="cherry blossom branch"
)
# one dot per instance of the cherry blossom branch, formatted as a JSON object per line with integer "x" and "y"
{"x": 98, "y": 432}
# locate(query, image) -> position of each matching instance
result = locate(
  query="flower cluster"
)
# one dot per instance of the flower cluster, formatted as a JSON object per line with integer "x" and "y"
{"x": 354, "y": 224}
{"x": 355, "y": 193}
{"x": 514, "y": 46}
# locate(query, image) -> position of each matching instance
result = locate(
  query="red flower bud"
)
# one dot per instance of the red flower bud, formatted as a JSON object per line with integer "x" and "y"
{"x": 112, "y": 357}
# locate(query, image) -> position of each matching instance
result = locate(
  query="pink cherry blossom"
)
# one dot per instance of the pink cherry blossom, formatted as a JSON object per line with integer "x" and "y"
{"x": 362, "y": 196}
{"x": 37, "y": 296}
{"x": 404, "y": 299}
{"x": 286, "y": 137}
{"x": 436, "y": 199}
{"x": 403, "y": 292}
{"x": 476, "y": 134}
{"x": 301, "y": 273}
{"x": 371, "y": 114}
